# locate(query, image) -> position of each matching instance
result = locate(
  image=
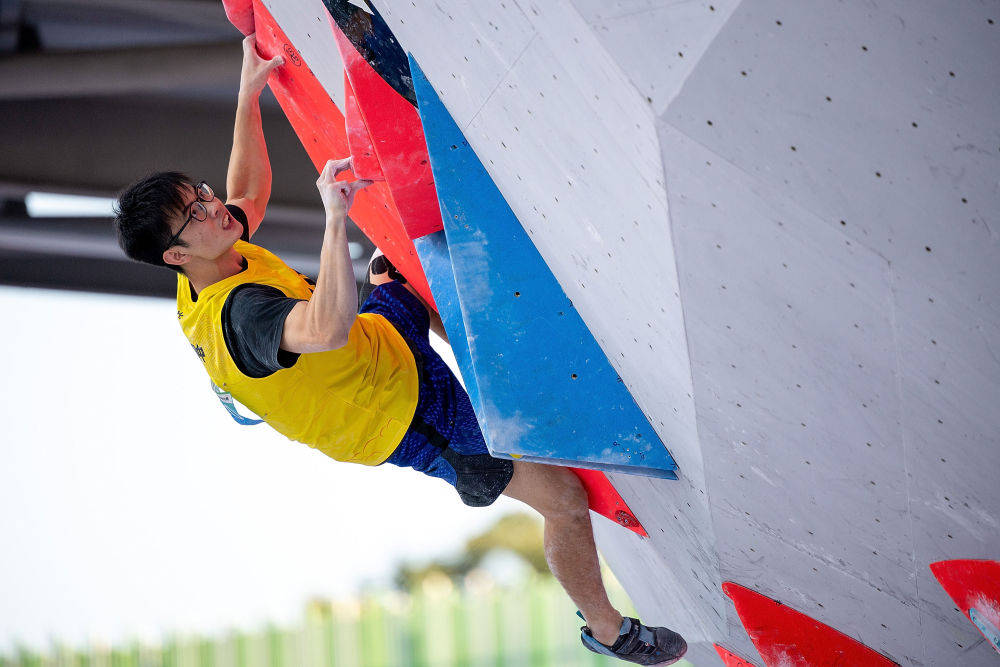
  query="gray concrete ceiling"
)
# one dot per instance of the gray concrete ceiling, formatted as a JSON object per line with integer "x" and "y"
{"x": 95, "y": 94}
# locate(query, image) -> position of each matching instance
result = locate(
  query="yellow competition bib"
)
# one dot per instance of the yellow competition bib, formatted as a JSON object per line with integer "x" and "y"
{"x": 353, "y": 404}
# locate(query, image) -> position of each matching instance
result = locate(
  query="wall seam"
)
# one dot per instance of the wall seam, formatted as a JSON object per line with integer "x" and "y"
{"x": 903, "y": 443}
{"x": 513, "y": 64}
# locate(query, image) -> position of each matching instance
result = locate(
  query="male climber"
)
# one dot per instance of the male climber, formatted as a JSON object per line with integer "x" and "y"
{"x": 363, "y": 387}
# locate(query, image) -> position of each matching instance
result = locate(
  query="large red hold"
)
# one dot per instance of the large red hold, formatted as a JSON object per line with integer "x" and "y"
{"x": 974, "y": 585}
{"x": 789, "y": 638}
{"x": 731, "y": 659}
{"x": 321, "y": 128}
{"x": 240, "y": 14}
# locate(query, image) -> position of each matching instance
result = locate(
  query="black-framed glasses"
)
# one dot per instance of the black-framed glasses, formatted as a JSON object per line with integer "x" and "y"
{"x": 203, "y": 193}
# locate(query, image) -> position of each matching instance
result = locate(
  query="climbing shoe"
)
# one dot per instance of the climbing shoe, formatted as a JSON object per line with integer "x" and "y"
{"x": 640, "y": 644}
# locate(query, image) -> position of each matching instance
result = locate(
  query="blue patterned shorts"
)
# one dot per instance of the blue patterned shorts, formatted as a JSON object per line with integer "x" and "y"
{"x": 444, "y": 439}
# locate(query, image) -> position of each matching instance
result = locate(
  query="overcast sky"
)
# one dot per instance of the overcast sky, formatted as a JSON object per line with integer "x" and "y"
{"x": 131, "y": 504}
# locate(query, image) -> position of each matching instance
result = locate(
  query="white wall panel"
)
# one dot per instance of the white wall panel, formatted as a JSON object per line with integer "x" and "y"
{"x": 753, "y": 258}
{"x": 795, "y": 384}
{"x": 573, "y": 147}
{"x": 858, "y": 157}
{"x": 948, "y": 373}
{"x": 307, "y": 24}
{"x": 680, "y": 31}
{"x": 465, "y": 48}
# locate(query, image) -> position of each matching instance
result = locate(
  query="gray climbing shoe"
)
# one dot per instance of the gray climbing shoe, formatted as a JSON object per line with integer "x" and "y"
{"x": 640, "y": 644}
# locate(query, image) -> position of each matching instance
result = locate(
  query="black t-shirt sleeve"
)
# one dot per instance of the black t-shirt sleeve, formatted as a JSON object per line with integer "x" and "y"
{"x": 241, "y": 217}
{"x": 253, "y": 319}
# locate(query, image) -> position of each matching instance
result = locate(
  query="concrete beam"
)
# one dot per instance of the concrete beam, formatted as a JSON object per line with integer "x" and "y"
{"x": 161, "y": 69}
{"x": 195, "y": 13}
{"x": 99, "y": 145}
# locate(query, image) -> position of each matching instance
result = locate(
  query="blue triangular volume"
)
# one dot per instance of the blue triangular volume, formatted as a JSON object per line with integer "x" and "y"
{"x": 542, "y": 387}
{"x": 436, "y": 262}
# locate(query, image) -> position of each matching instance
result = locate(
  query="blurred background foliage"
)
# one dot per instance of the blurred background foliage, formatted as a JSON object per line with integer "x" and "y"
{"x": 494, "y": 603}
{"x": 518, "y": 534}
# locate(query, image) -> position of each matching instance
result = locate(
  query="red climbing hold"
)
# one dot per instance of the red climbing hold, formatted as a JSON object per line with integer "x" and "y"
{"x": 731, "y": 659}
{"x": 320, "y": 127}
{"x": 240, "y": 14}
{"x": 398, "y": 139}
{"x": 789, "y": 638}
{"x": 362, "y": 151}
{"x": 606, "y": 501}
{"x": 974, "y": 585}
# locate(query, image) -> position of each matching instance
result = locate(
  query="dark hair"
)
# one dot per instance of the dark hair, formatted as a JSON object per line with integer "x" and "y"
{"x": 141, "y": 216}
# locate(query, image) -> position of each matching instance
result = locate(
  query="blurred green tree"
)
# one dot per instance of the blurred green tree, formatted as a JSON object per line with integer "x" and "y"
{"x": 519, "y": 533}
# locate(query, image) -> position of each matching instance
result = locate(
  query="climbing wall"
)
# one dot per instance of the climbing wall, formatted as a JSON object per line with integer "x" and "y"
{"x": 382, "y": 129}
{"x": 778, "y": 221}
